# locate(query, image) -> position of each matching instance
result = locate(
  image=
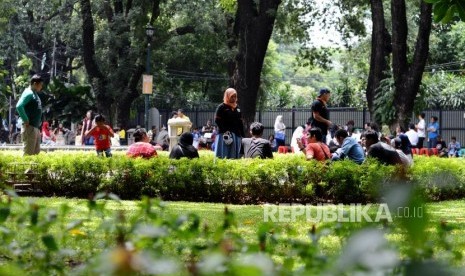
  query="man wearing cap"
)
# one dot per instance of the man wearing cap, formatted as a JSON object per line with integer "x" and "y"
{"x": 320, "y": 113}
{"x": 29, "y": 108}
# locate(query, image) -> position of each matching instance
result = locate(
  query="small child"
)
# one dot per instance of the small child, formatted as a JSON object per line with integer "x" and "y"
{"x": 453, "y": 148}
{"x": 102, "y": 134}
{"x": 197, "y": 136}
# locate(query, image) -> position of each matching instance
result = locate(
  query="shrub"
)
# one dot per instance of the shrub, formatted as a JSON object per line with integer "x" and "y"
{"x": 287, "y": 178}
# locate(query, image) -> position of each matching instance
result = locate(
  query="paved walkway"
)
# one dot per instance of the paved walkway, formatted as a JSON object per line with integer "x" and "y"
{"x": 68, "y": 147}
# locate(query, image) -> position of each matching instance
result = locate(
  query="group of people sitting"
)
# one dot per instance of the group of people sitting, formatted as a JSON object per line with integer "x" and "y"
{"x": 145, "y": 148}
{"x": 56, "y": 134}
{"x": 344, "y": 145}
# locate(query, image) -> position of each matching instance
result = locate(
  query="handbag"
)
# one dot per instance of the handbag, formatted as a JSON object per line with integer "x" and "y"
{"x": 227, "y": 138}
{"x": 280, "y": 136}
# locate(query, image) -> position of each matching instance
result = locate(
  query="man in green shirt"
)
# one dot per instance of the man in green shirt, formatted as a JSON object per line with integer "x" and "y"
{"x": 29, "y": 108}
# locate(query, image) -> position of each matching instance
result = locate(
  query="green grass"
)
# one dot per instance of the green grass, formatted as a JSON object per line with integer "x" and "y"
{"x": 90, "y": 234}
{"x": 250, "y": 217}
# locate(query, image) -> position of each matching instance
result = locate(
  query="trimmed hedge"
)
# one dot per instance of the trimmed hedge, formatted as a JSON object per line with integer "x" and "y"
{"x": 287, "y": 178}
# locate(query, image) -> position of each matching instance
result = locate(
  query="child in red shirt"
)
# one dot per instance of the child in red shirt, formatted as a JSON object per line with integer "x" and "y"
{"x": 102, "y": 134}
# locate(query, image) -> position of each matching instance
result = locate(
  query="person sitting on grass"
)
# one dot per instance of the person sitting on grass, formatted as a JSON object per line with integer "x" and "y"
{"x": 385, "y": 153}
{"x": 316, "y": 148}
{"x": 441, "y": 146}
{"x": 349, "y": 148}
{"x": 141, "y": 147}
{"x": 184, "y": 148}
{"x": 406, "y": 158}
{"x": 102, "y": 134}
{"x": 453, "y": 148}
{"x": 256, "y": 146}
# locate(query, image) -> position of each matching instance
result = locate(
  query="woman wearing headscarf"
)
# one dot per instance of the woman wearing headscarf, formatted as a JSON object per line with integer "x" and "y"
{"x": 279, "y": 131}
{"x": 47, "y": 136}
{"x": 230, "y": 128}
{"x": 184, "y": 148}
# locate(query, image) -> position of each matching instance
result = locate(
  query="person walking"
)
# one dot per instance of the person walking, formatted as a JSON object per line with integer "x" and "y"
{"x": 320, "y": 113}
{"x": 29, "y": 108}
{"x": 102, "y": 134}
{"x": 230, "y": 128}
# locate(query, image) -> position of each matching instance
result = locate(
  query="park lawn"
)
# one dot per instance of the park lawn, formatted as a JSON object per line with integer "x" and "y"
{"x": 250, "y": 217}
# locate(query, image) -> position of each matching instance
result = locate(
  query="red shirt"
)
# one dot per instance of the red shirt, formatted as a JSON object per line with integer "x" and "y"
{"x": 101, "y": 137}
{"x": 141, "y": 149}
{"x": 319, "y": 151}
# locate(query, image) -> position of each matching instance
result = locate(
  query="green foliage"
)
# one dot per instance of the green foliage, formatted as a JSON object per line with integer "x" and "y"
{"x": 67, "y": 102}
{"x": 287, "y": 178}
{"x": 442, "y": 90}
{"x": 439, "y": 179}
{"x": 446, "y": 10}
{"x": 385, "y": 112}
{"x": 229, "y": 6}
{"x": 4, "y": 90}
{"x": 101, "y": 235}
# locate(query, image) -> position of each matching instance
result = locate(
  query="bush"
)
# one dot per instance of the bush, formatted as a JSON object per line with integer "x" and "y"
{"x": 287, "y": 178}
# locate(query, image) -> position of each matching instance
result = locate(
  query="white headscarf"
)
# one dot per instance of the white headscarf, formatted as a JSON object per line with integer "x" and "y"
{"x": 278, "y": 124}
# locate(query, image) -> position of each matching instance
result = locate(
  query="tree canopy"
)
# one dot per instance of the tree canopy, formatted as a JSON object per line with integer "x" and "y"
{"x": 94, "y": 53}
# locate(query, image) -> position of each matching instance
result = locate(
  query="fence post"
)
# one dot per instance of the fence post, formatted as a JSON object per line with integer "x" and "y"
{"x": 197, "y": 117}
{"x": 440, "y": 121}
{"x": 293, "y": 117}
{"x": 364, "y": 118}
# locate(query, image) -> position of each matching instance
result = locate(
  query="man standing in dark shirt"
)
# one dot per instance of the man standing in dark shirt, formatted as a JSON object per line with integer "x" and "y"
{"x": 320, "y": 112}
{"x": 381, "y": 151}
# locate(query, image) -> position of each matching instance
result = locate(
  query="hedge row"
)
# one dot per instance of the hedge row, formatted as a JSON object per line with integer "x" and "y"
{"x": 287, "y": 178}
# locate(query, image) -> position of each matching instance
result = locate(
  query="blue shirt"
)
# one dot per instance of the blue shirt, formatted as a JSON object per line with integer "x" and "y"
{"x": 433, "y": 134}
{"x": 350, "y": 149}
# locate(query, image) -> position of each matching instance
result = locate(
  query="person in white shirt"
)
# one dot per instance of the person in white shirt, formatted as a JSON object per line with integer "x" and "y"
{"x": 421, "y": 126}
{"x": 412, "y": 135}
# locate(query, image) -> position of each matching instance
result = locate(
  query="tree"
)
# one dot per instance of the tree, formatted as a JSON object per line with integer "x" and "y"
{"x": 408, "y": 74}
{"x": 380, "y": 51}
{"x": 407, "y": 65}
{"x": 115, "y": 66}
{"x": 40, "y": 35}
{"x": 253, "y": 27}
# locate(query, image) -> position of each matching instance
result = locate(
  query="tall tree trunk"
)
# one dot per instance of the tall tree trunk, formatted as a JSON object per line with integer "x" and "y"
{"x": 407, "y": 76}
{"x": 132, "y": 93}
{"x": 253, "y": 26}
{"x": 96, "y": 78}
{"x": 380, "y": 51}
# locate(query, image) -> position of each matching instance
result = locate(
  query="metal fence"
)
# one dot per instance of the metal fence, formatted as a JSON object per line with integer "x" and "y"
{"x": 451, "y": 123}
